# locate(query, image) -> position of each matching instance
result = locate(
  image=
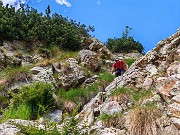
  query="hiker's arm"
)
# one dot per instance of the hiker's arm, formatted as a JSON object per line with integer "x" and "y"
{"x": 112, "y": 70}
{"x": 127, "y": 66}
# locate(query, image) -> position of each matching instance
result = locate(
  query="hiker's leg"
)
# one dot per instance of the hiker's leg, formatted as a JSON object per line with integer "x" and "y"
{"x": 122, "y": 71}
{"x": 117, "y": 72}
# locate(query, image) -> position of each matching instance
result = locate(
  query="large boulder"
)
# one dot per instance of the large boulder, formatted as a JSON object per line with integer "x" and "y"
{"x": 70, "y": 73}
{"x": 96, "y": 46}
{"x": 89, "y": 59}
{"x": 43, "y": 74}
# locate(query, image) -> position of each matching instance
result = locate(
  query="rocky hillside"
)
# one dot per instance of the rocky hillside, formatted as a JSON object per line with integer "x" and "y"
{"x": 145, "y": 100}
{"x": 158, "y": 72}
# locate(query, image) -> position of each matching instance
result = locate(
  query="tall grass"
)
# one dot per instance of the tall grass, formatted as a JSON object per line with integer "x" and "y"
{"x": 140, "y": 94}
{"x": 122, "y": 90}
{"x": 73, "y": 94}
{"x": 31, "y": 102}
{"x": 143, "y": 121}
{"x": 21, "y": 111}
{"x": 17, "y": 74}
{"x": 106, "y": 76}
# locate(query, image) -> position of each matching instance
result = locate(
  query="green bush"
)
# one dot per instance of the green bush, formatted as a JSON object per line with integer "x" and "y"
{"x": 35, "y": 99}
{"x": 28, "y": 25}
{"x": 125, "y": 44}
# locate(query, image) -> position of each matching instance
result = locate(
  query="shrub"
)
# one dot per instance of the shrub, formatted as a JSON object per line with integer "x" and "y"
{"x": 37, "y": 99}
{"x": 45, "y": 52}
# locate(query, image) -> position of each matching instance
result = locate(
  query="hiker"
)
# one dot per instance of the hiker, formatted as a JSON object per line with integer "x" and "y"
{"x": 119, "y": 66}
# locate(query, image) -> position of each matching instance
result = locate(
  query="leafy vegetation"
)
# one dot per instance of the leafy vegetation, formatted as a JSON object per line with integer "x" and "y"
{"x": 106, "y": 76}
{"x": 50, "y": 128}
{"x": 125, "y": 44}
{"x": 74, "y": 97}
{"x": 31, "y": 102}
{"x": 28, "y": 25}
{"x": 72, "y": 94}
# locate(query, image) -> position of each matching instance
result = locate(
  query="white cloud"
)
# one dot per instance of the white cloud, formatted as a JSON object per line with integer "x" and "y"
{"x": 17, "y": 3}
{"x": 11, "y": 2}
{"x": 64, "y": 2}
{"x": 98, "y": 2}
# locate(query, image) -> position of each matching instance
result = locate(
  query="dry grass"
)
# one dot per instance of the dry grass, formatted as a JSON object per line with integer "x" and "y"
{"x": 43, "y": 63}
{"x": 17, "y": 77}
{"x": 13, "y": 75}
{"x": 143, "y": 121}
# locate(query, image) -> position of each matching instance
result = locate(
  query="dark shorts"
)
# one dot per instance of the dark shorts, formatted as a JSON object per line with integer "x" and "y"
{"x": 119, "y": 72}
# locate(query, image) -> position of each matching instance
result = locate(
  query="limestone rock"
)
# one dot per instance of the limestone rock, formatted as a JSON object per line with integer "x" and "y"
{"x": 110, "y": 108}
{"x": 70, "y": 73}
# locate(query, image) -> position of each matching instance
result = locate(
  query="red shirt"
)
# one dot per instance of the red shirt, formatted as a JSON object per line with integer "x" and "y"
{"x": 118, "y": 64}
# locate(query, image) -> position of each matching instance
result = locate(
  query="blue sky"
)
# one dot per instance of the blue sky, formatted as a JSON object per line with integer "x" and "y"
{"x": 151, "y": 20}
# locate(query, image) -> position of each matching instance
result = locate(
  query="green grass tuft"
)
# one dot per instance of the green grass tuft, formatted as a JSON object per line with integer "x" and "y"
{"x": 137, "y": 95}
{"x": 31, "y": 102}
{"x": 122, "y": 90}
{"x": 106, "y": 76}
{"x": 129, "y": 61}
{"x": 72, "y": 94}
